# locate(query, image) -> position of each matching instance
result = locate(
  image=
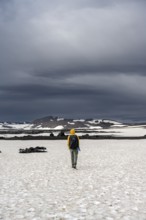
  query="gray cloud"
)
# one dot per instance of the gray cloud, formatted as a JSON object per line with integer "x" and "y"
{"x": 60, "y": 52}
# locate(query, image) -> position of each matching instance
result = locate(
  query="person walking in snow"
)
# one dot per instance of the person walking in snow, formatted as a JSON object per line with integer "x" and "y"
{"x": 73, "y": 145}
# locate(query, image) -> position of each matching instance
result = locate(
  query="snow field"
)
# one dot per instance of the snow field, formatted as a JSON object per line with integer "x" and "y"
{"x": 109, "y": 183}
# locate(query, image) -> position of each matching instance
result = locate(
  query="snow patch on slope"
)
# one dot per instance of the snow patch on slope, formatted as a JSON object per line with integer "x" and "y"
{"x": 79, "y": 120}
{"x": 59, "y": 127}
{"x": 15, "y": 126}
{"x": 60, "y": 119}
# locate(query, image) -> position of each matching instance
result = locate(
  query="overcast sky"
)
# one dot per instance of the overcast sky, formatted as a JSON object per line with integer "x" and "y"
{"x": 73, "y": 58}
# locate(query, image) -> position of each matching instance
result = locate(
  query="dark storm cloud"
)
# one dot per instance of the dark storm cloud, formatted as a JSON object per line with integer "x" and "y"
{"x": 55, "y": 52}
{"x": 31, "y": 92}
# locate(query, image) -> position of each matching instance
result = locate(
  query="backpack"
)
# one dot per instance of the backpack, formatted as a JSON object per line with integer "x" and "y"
{"x": 73, "y": 142}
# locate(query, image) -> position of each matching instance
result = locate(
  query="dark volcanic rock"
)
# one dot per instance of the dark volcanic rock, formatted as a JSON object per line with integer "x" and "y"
{"x": 61, "y": 134}
{"x": 33, "y": 150}
{"x": 105, "y": 124}
{"x": 51, "y": 135}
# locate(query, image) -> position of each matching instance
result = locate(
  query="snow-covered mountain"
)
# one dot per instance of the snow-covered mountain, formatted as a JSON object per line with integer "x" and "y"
{"x": 56, "y": 123}
{"x": 61, "y": 123}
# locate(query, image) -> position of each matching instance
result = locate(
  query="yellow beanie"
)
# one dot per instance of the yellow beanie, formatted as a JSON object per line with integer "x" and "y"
{"x": 72, "y": 131}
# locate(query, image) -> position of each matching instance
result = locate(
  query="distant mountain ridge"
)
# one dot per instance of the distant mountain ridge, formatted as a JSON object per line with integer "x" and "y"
{"x": 58, "y": 123}
{"x": 61, "y": 123}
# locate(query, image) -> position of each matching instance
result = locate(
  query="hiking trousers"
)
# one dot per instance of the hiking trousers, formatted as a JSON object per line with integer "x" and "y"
{"x": 74, "y": 157}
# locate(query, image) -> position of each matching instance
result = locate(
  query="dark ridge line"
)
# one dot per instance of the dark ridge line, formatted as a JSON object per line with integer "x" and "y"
{"x": 81, "y": 137}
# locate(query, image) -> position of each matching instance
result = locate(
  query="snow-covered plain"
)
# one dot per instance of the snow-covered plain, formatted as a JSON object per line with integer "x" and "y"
{"x": 110, "y": 182}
